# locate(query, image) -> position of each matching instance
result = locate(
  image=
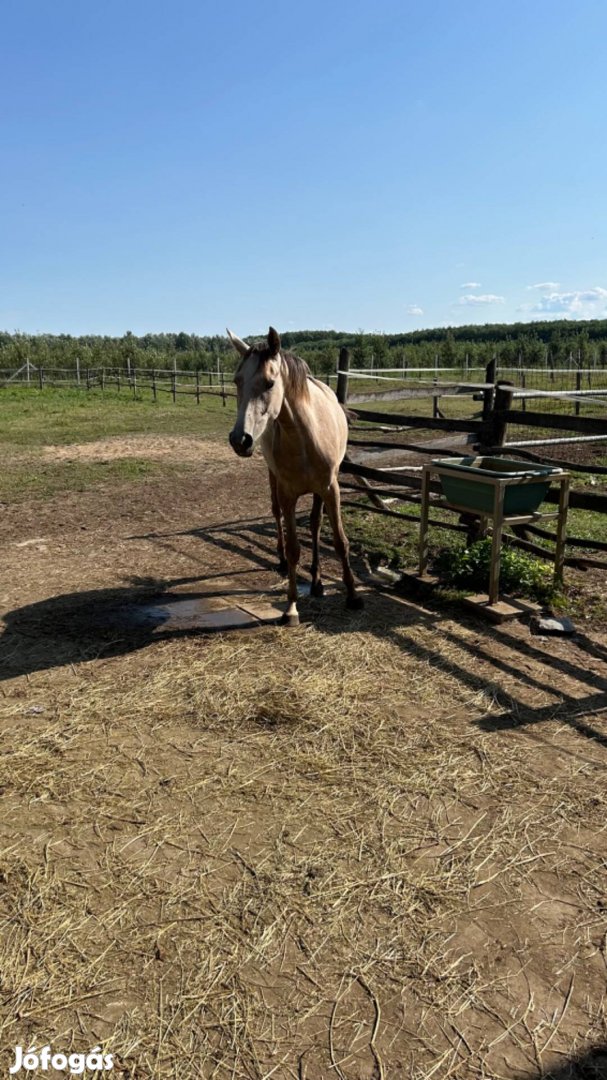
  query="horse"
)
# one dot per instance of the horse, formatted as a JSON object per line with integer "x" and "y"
{"x": 303, "y": 432}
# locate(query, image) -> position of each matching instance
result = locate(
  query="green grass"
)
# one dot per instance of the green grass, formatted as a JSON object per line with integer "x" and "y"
{"x": 387, "y": 540}
{"x": 31, "y": 419}
{"x": 520, "y": 574}
{"x": 51, "y": 417}
{"x": 395, "y": 543}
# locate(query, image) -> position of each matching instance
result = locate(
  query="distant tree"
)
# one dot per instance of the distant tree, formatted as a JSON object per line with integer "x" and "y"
{"x": 183, "y": 342}
{"x": 448, "y": 355}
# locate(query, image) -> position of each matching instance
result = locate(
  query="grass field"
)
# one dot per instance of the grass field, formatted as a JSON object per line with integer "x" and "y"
{"x": 32, "y": 418}
{"x": 34, "y": 421}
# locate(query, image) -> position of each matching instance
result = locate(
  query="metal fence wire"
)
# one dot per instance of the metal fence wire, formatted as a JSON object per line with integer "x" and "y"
{"x": 565, "y": 391}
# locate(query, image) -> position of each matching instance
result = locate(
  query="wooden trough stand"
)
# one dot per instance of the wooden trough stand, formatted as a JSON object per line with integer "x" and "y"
{"x": 491, "y": 503}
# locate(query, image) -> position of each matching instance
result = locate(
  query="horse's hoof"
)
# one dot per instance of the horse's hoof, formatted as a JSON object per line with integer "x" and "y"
{"x": 317, "y": 588}
{"x": 355, "y": 603}
{"x": 290, "y": 620}
{"x": 283, "y": 567}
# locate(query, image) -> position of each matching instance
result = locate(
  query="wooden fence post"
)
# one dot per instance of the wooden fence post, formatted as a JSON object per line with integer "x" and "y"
{"x": 174, "y": 385}
{"x": 41, "y": 377}
{"x": 488, "y": 394}
{"x": 197, "y": 386}
{"x": 342, "y": 378}
{"x": 154, "y": 388}
{"x": 578, "y": 386}
{"x": 223, "y": 389}
{"x": 88, "y": 378}
{"x": 102, "y": 379}
{"x": 496, "y": 424}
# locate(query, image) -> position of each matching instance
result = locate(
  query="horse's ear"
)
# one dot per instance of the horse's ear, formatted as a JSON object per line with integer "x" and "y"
{"x": 273, "y": 341}
{"x": 238, "y": 344}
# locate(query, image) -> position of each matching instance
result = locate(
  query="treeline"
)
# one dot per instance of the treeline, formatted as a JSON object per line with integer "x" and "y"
{"x": 561, "y": 343}
{"x": 187, "y": 351}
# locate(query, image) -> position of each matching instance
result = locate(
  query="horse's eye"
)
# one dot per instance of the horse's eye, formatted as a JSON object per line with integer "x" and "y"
{"x": 269, "y": 384}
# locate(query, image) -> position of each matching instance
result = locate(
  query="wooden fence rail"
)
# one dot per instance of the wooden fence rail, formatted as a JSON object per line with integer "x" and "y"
{"x": 490, "y": 434}
{"x": 136, "y": 379}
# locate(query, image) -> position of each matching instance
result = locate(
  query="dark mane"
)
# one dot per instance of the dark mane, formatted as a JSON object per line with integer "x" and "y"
{"x": 295, "y": 370}
{"x": 297, "y": 374}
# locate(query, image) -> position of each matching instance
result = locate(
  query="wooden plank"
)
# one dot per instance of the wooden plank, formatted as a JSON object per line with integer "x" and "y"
{"x": 571, "y": 541}
{"x": 366, "y": 508}
{"x": 393, "y": 478}
{"x": 416, "y": 448}
{"x": 581, "y": 500}
{"x": 380, "y": 492}
{"x": 574, "y": 466}
{"x": 410, "y": 393}
{"x": 500, "y": 610}
{"x": 418, "y": 421}
{"x": 588, "y": 425}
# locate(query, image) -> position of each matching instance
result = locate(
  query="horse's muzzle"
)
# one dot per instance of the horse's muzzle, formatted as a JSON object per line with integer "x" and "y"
{"x": 242, "y": 445}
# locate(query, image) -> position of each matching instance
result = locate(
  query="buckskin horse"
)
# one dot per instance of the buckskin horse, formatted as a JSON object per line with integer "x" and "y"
{"x": 302, "y": 431}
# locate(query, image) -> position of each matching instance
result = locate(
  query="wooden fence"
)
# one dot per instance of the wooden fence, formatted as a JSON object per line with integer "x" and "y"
{"x": 155, "y": 380}
{"x": 488, "y": 436}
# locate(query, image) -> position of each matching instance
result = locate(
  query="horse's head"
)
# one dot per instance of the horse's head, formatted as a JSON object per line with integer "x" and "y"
{"x": 259, "y": 389}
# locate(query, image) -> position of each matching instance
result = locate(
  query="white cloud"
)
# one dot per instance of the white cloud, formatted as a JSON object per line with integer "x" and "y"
{"x": 481, "y": 298}
{"x": 579, "y": 303}
{"x": 549, "y": 286}
{"x": 413, "y": 309}
{"x": 471, "y": 285}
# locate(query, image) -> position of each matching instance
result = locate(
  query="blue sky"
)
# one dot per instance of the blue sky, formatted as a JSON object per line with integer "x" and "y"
{"x": 385, "y": 166}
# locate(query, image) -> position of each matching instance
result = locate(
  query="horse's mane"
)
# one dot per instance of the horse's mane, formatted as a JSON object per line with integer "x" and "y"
{"x": 297, "y": 374}
{"x": 295, "y": 371}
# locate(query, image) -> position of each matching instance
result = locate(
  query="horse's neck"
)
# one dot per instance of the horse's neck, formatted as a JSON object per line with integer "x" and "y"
{"x": 291, "y": 425}
{"x": 292, "y": 418}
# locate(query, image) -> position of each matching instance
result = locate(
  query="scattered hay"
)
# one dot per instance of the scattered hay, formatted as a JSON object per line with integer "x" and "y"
{"x": 296, "y": 854}
{"x": 180, "y": 448}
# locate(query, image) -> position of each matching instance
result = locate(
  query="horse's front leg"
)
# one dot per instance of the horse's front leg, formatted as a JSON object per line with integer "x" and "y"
{"x": 316, "y": 589}
{"x": 288, "y": 505}
{"x": 342, "y": 547}
{"x": 280, "y": 546}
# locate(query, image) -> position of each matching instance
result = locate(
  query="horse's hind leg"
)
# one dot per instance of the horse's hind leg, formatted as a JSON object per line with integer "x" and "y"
{"x": 280, "y": 546}
{"x": 342, "y": 547}
{"x": 291, "y": 617}
{"x": 316, "y": 588}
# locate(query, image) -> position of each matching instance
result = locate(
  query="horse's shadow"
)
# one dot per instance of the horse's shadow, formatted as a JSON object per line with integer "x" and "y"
{"x": 77, "y": 627}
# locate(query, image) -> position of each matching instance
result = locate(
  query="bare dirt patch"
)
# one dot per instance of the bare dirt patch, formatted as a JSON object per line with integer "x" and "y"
{"x": 154, "y": 447}
{"x": 371, "y": 847}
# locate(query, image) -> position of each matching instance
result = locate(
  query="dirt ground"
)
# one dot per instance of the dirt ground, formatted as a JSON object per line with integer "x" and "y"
{"x": 370, "y": 847}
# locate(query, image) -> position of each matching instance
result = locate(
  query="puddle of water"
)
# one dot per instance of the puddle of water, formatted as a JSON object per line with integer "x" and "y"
{"x": 203, "y": 614}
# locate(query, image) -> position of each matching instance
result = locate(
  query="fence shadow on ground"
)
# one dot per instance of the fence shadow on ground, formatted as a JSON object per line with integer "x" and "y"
{"x": 76, "y": 627}
{"x": 591, "y": 1065}
{"x": 502, "y": 653}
